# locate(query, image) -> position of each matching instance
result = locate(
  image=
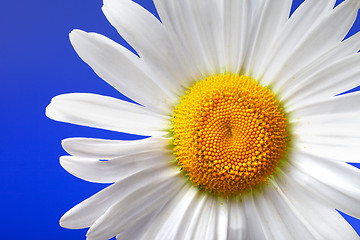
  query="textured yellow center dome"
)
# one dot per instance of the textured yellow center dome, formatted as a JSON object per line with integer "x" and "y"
{"x": 229, "y": 134}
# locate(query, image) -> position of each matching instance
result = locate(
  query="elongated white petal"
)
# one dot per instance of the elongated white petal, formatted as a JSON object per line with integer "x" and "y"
{"x": 332, "y": 125}
{"x": 307, "y": 14}
{"x": 133, "y": 207}
{"x": 319, "y": 38}
{"x": 107, "y": 149}
{"x": 87, "y": 212}
{"x": 253, "y": 222}
{"x": 256, "y": 10}
{"x": 190, "y": 220}
{"x": 317, "y": 213}
{"x": 331, "y": 147}
{"x": 335, "y": 136}
{"x": 106, "y": 113}
{"x": 290, "y": 215}
{"x": 331, "y": 152}
{"x": 137, "y": 230}
{"x": 209, "y": 22}
{"x": 95, "y": 170}
{"x": 343, "y": 52}
{"x": 336, "y": 183}
{"x": 123, "y": 70}
{"x": 347, "y": 103}
{"x": 274, "y": 15}
{"x": 327, "y": 82}
{"x": 148, "y": 227}
{"x": 168, "y": 221}
{"x": 237, "y": 224}
{"x": 166, "y": 11}
{"x": 222, "y": 220}
{"x": 236, "y": 33}
{"x": 148, "y": 37}
{"x": 271, "y": 220}
{"x": 194, "y": 27}
{"x": 206, "y": 225}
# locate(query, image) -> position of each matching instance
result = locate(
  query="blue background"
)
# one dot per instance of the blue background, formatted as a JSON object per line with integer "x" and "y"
{"x": 37, "y": 63}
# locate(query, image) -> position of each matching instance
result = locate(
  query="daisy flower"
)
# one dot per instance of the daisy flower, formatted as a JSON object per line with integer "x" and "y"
{"x": 247, "y": 135}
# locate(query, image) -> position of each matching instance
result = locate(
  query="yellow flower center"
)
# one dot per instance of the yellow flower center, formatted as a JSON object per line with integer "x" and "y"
{"x": 229, "y": 134}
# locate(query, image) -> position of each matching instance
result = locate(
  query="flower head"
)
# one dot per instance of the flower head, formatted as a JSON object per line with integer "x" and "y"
{"x": 248, "y": 138}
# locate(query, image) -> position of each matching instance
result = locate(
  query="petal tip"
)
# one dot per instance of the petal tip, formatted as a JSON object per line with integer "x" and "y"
{"x": 63, "y": 222}
{"x": 49, "y": 111}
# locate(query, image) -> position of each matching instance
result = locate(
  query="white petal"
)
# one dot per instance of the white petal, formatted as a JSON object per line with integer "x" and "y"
{"x": 122, "y": 70}
{"x": 166, "y": 11}
{"x": 190, "y": 220}
{"x": 106, "y": 113}
{"x": 331, "y": 58}
{"x": 336, "y": 183}
{"x": 327, "y": 82}
{"x": 236, "y": 33}
{"x": 333, "y": 125}
{"x": 320, "y": 216}
{"x": 279, "y": 216}
{"x": 332, "y": 147}
{"x": 292, "y": 216}
{"x": 168, "y": 222}
{"x": 307, "y": 14}
{"x": 162, "y": 219}
{"x": 206, "y": 224}
{"x": 333, "y": 136}
{"x": 319, "y": 39}
{"x": 256, "y": 10}
{"x": 209, "y": 24}
{"x": 237, "y": 227}
{"x": 106, "y": 149}
{"x": 272, "y": 19}
{"x": 194, "y": 27}
{"x": 347, "y": 103}
{"x": 87, "y": 212}
{"x": 222, "y": 220}
{"x": 270, "y": 218}
{"x": 137, "y": 231}
{"x": 133, "y": 207}
{"x": 95, "y": 170}
{"x": 254, "y": 229}
{"x": 149, "y": 38}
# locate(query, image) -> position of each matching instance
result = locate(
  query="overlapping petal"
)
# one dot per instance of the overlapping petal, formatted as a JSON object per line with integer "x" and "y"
{"x": 107, "y": 149}
{"x": 113, "y": 170}
{"x": 318, "y": 38}
{"x": 169, "y": 221}
{"x": 335, "y": 105}
{"x": 149, "y": 38}
{"x": 123, "y": 70}
{"x": 135, "y": 206}
{"x": 321, "y": 218}
{"x": 335, "y": 183}
{"x": 106, "y": 113}
{"x": 87, "y": 212}
{"x": 326, "y": 82}
{"x": 237, "y": 223}
{"x": 266, "y": 27}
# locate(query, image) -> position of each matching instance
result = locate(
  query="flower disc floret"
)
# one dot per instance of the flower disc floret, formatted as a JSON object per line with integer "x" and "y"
{"x": 229, "y": 134}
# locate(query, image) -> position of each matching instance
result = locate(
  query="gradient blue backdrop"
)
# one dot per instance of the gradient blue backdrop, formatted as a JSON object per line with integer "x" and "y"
{"x": 37, "y": 63}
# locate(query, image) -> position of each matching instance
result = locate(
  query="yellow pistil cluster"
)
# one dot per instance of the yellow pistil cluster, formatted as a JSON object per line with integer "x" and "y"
{"x": 229, "y": 134}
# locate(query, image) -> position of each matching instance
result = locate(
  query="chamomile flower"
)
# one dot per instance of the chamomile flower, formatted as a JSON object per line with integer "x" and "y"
{"x": 247, "y": 136}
